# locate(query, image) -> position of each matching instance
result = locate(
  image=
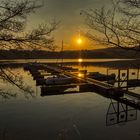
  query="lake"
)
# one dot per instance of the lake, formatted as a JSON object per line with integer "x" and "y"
{"x": 77, "y": 116}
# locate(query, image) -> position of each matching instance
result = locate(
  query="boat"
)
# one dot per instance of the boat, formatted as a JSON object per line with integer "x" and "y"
{"x": 69, "y": 69}
{"x": 58, "y": 80}
{"x": 133, "y": 83}
{"x": 56, "y": 89}
{"x": 101, "y": 77}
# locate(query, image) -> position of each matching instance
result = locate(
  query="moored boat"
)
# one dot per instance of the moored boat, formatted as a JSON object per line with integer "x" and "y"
{"x": 101, "y": 77}
{"x": 58, "y": 79}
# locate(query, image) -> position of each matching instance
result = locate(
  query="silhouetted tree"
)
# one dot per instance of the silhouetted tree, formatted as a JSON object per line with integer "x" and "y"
{"x": 13, "y": 16}
{"x": 117, "y": 26}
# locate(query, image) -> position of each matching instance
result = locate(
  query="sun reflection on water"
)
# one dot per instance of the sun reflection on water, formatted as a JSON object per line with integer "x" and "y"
{"x": 80, "y": 60}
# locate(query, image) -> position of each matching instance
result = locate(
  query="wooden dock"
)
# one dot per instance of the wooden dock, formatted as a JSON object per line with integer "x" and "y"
{"x": 88, "y": 85}
{"x": 92, "y": 83}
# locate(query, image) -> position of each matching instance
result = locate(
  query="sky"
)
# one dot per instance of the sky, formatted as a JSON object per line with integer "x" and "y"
{"x": 71, "y": 22}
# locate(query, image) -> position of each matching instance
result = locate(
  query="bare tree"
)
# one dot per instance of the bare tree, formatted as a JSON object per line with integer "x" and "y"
{"x": 117, "y": 26}
{"x": 13, "y": 16}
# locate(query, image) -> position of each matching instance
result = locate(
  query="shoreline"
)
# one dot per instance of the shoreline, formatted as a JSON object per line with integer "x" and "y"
{"x": 122, "y": 63}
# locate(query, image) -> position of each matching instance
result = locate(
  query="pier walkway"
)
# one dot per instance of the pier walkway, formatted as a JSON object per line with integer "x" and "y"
{"x": 94, "y": 82}
{"x": 88, "y": 85}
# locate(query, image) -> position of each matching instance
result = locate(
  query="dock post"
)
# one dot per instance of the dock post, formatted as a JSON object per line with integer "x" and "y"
{"x": 118, "y": 111}
{"x": 119, "y": 77}
{"x": 127, "y": 79}
{"x": 138, "y": 74}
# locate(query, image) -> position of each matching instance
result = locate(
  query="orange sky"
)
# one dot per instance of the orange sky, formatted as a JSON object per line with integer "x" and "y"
{"x": 68, "y": 13}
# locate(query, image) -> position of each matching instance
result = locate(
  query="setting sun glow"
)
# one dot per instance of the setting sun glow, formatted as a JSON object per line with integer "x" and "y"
{"x": 79, "y": 41}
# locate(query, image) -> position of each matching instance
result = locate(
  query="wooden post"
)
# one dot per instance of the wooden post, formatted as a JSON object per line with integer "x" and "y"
{"x": 119, "y": 77}
{"x": 127, "y": 79}
{"x": 138, "y": 74}
{"x": 118, "y": 111}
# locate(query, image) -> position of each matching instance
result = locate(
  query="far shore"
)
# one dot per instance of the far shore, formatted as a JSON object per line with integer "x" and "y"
{"x": 124, "y": 63}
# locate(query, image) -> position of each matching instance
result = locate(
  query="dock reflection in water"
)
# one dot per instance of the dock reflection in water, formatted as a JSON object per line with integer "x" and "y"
{"x": 119, "y": 113}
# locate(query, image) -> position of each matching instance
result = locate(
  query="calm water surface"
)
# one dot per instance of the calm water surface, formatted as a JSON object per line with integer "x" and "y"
{"x": 79, "y": 116}
{"x": 60, "y": 60}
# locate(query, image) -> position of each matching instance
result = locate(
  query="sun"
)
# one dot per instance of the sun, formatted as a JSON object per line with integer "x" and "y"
{"x": 79, "y": 41}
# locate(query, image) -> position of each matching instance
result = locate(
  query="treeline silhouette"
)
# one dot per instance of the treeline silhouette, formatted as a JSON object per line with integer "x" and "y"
{"x": 88, "y": 54}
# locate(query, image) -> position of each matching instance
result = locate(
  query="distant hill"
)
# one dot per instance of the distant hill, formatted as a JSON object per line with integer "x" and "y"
{"x": 89, "y": 54}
